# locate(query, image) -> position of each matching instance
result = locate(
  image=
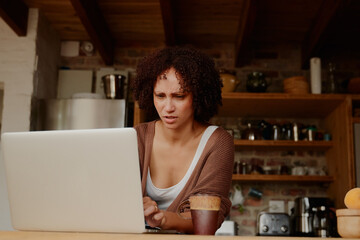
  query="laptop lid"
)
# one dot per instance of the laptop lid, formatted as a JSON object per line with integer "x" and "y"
{"x": 74, "y": 180}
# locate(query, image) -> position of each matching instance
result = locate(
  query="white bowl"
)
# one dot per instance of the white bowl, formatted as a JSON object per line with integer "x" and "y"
{"x": 348, "y": 223}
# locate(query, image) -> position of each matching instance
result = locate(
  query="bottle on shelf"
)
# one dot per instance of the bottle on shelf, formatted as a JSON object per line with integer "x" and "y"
{"x": 251, "y": 133}
{"x": 331, "y": 85}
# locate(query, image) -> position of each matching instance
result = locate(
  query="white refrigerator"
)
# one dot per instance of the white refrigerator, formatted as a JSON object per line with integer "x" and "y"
{"x": 83, "y": 113}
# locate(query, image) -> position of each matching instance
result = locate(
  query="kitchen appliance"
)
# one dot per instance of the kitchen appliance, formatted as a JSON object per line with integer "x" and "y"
{"x": 114, "y": 86}
{"x": 83, "y": 113}
{"x": 273, "y": 224}
{"x": 313, "y": 216}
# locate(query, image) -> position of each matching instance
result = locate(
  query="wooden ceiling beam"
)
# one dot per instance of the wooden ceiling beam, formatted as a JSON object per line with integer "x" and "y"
{"x": 246, "y": 26}
{"x": 316, "y": 36}
{"x": 95, "y": 25}
{"x": 15, "y": 14}
{"x": 167, "y": 14}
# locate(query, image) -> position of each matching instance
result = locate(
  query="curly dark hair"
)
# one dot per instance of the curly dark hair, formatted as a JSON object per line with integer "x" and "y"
{"x": 197, "y": 71}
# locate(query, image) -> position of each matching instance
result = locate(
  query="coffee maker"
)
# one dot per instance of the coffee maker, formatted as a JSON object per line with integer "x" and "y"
{"x": 313, "y": 217}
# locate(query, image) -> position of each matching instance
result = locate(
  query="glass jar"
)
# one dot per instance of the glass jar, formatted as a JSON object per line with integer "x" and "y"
{"x": 276, "y": 132}
{"x": 251, "y": 133}
{"x": 331, "y": 85}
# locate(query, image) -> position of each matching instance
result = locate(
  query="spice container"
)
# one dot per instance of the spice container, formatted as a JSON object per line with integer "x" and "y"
{"x": 311, "y": 133}
{"x": 243, "y": 168}
{"x": 236, "y": 169}
{"x": 295, "y": 132}
{"x": 287, "y": 132}
{"x": 327, "y": 137}
{"x": 276, "y": 132}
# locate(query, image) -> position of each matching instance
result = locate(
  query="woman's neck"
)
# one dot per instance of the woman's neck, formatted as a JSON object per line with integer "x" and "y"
{"x": 181, "y": 135}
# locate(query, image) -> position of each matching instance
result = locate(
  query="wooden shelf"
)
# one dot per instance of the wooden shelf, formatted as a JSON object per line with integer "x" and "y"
{"x": 283, "y": 144}
{"x": 281, "y": 105}
{"x": 356, "y": 119}
{"x": 281, "y": 178}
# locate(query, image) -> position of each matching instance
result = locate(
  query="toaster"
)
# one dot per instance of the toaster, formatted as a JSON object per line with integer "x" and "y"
{"x": 273, "y": 224}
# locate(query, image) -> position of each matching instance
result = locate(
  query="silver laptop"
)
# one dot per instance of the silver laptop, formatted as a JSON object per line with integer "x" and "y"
{"x": 74, "y": 180}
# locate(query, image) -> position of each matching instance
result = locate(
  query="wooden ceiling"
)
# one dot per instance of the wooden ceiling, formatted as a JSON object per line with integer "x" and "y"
{"x": 316, "y": 25}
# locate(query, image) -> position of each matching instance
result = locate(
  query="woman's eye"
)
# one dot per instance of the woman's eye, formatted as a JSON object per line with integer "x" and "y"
{"x": 180, "y": 96}
{"x": 159, "y": 95}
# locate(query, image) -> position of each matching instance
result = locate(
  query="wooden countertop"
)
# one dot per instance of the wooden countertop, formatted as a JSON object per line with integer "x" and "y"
{"x": 20, "y": 235}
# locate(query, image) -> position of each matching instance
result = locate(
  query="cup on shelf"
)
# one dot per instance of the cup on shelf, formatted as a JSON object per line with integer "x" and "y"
{"x": 298, "y": 171}
{"x": 312, "y": 171}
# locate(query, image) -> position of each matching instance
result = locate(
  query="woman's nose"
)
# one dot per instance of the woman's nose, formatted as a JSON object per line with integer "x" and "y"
{"x": 169, "y": 106}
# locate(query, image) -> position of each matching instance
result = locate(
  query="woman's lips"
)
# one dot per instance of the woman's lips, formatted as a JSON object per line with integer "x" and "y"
{"x": 169, "y": 119}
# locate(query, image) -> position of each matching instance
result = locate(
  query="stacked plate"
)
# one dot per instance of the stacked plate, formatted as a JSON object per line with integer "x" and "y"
{"x": 296, "y": 85}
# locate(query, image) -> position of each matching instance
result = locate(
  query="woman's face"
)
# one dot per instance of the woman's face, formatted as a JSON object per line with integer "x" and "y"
{"x": 173, "y": 105}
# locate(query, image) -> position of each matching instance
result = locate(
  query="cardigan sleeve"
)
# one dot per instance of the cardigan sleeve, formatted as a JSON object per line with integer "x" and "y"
{"x": 216, "y": 172}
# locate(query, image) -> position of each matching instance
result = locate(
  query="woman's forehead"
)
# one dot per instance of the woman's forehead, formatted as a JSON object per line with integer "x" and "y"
{"x": 170, "y": 77}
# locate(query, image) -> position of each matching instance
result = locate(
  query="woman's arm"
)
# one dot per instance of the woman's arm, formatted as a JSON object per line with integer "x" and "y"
{"x": 165, "y": 219}
{"x": 215, "y": 176}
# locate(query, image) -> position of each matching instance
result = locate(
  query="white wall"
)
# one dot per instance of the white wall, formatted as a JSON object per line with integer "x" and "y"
{"x": 17, "y": 70}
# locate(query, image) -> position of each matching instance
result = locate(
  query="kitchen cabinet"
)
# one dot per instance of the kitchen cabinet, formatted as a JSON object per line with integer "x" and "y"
{"x": 334, "y": 113}
{"x": 355, "y": 106}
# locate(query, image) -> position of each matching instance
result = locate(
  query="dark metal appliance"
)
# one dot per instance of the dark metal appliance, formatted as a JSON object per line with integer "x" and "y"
{"x": 313, "y": 217}
{"x": 273, "y": 224}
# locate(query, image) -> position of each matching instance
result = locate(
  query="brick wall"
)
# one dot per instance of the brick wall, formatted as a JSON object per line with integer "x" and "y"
{"x": 277, "y": 62}
{"x": 245, "y": 214}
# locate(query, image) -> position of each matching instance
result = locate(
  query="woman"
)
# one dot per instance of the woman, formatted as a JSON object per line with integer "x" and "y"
{"x": 180, "y": 153}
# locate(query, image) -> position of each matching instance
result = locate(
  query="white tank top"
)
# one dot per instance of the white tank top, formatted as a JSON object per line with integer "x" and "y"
{"x": 165, "y": 196}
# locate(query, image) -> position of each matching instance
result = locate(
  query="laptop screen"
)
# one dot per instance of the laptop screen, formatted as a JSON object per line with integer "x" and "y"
{"x": 74, "y": 180}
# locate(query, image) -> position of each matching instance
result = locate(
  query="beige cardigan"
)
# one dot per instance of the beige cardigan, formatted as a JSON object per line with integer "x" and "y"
{"x": 212, "y": 174}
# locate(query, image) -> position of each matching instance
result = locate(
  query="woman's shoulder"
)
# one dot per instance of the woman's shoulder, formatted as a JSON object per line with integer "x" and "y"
{"x": 221, "y": 138}
{"x": 222, "y": 133}
{"x": 145, "y": 126}
{"x": 145, "y": 129}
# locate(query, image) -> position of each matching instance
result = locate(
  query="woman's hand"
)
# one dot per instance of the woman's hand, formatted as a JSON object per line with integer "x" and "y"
{"x": 153, "y": 215}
